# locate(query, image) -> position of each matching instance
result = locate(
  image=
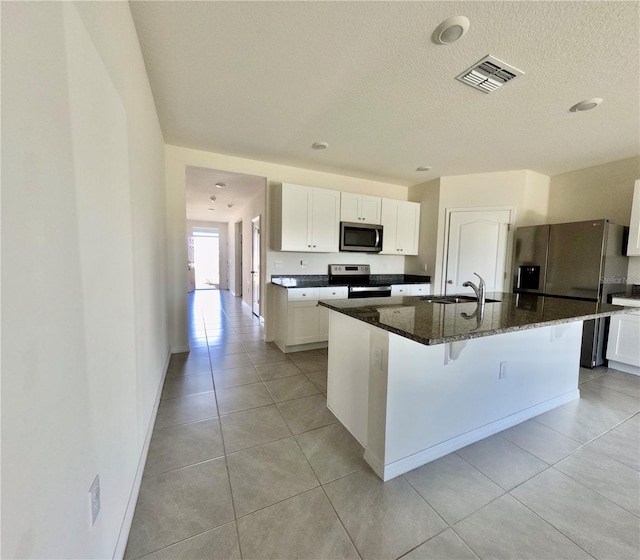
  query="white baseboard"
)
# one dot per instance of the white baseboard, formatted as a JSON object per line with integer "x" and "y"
{"x": 416, "y": 460}
{"x": 301, "y": 347}
{"x": 627, "y": 368}
{"x": 180, "y": 349}
{"x": 125, "y": 529}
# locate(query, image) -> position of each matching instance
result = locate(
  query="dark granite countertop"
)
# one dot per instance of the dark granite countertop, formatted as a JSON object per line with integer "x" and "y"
{"x": 437, "y": 323}
{"x": 322, "y": 280}
{"x": 632, "y": 291}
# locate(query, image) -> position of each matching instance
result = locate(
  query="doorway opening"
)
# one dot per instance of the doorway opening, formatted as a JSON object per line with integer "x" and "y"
{"x": 206, "y": 258}
{"x": 255, "y": 266}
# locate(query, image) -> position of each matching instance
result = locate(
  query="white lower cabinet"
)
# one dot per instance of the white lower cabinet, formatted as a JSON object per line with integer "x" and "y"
{"x": 411, "y": 289}
{"x": 623, "y": 348}
{"x": 401, "y": 290}
{"x": 301, "y": 323}
{"x": 420, "y": 289}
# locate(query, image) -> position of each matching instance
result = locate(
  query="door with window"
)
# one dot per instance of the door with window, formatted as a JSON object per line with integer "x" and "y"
{"x": 477, "y": 242}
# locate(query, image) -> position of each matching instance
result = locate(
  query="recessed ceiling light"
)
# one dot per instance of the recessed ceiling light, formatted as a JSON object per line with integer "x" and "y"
{"x": 212, "y": 209}
{"x": 220, "y": 185}
{"x": 423, "y": 168}
{"x": 212, "y": 198}
{"x": 586, "y": 105}
{"x": 450, "y": 30}
{"x": 319, "y": 145}
{"x": 229, "y": 205}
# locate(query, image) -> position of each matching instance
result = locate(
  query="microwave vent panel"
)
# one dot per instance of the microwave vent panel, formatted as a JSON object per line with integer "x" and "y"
{"x": 489, "y": 74}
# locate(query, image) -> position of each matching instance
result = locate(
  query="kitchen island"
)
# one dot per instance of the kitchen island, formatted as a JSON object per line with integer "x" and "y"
{"x": 415, "y": 378}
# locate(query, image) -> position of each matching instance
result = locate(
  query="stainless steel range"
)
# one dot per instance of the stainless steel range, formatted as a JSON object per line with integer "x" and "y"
{"x": 358, "y": 278}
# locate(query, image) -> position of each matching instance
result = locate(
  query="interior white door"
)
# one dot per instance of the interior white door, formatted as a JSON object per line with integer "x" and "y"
{"x": 477, "y": 242}
{"x": 238, "y": 261}
{"x": 255, "y": 266}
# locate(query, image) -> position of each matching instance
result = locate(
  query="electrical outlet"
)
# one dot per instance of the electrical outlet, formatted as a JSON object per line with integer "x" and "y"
{"x": 277, "y": 264}
{"x": 94, "y": 499}
{"x": 503, "y": 370}
{"x": 425, "y": 267}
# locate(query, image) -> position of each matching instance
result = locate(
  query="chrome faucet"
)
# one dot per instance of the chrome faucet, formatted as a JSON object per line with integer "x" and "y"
{"x": 479, "y": 290}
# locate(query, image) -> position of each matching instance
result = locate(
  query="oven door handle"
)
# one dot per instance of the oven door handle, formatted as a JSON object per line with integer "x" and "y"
{"x": 357, "y": 289}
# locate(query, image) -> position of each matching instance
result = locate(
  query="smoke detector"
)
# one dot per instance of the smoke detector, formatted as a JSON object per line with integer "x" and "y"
{"x": 586, "y": 105}
{"x": 489, "y": 74}
{"x": 450, "y": 30}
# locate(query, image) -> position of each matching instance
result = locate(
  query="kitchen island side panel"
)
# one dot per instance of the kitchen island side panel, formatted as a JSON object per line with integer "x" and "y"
{"x": 348, "y": 373}
{"x": 432, "y": 398}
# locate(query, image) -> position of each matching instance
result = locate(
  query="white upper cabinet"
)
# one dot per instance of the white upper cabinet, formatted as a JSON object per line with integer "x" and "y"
{"x": 633, "y": 249}
{"x": 307, "y": 218}
{"x": 401, "y": 222}
{"x": 360, "y": 208}
{"x": 324, "y": 213}
{"x": 294, "y": 222}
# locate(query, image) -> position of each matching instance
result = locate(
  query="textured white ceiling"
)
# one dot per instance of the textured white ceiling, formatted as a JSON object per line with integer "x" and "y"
{"x": 264, "y": 80}
{"x": 200, "y": 186}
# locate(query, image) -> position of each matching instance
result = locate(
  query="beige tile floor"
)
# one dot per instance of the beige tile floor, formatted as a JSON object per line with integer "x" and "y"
{"x": 247, "y": 462}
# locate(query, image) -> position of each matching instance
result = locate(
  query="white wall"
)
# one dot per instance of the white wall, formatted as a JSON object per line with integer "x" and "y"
{"x": 223, "y": 232}
{"x": 245, "y": 214}
{"x": 526, "y": 191}
{"x": 603, "y": 191}
{"x": 428, "y": 195}
{"x": 176, "y": 160}
{"x": 84, "y": 311}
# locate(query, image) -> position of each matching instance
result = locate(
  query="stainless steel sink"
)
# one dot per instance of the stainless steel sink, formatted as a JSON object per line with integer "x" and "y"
{"x": 455, "y": 299}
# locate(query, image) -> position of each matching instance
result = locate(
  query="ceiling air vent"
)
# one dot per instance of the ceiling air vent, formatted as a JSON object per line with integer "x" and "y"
{"x": 489, "y": 74}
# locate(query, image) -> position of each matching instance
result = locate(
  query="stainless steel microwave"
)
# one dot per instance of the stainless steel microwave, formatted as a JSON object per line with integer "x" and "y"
{"x": 360, "y": 238}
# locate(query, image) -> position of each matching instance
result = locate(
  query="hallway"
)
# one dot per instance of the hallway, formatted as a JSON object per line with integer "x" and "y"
{"x": 247, "y": 462}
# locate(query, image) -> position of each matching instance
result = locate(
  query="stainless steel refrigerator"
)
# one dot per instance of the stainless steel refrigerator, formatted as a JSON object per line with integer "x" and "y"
{"x": 580, "y": 260}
